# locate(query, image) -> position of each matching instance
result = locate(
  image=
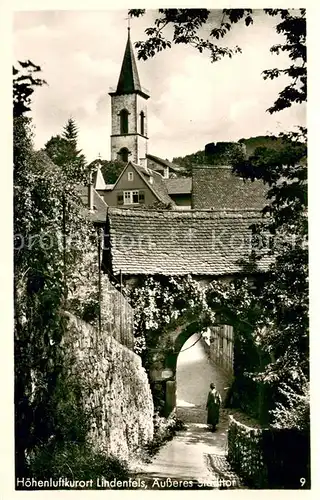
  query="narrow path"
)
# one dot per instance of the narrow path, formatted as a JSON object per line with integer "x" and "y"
{"x": 195, "y": 457}
{"x": 188, "y": 459}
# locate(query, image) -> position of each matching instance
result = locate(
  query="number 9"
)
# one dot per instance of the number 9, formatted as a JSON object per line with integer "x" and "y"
{"x": 302, "y": 481}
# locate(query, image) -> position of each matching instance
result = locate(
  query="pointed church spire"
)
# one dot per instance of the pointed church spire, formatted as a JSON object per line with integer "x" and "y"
{"x": 129, "y": 81}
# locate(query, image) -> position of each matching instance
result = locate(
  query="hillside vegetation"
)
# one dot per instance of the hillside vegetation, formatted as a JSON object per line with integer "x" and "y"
{"x": 221, "y": 153}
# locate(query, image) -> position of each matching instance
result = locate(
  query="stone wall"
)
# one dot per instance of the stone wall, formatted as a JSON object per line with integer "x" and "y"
{"x": 116, "y": 314}
{"x": 269, "y": 458}
{"x": 115, "y": 389}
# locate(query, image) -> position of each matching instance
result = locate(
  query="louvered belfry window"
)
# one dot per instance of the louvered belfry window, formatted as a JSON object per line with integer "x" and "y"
{"x": 142, "y": 117}
{"x": 124, "y": 125}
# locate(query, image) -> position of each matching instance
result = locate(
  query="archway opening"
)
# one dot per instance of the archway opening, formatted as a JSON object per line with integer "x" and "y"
{"x": 203, "y": 359}
{"x": 124, "y": 155}
{"x": 195, "y": 371}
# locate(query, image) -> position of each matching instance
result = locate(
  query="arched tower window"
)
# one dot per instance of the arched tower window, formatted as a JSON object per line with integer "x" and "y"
{"x": 124, "y": 154}
{"x": 142, "y": 122}
{"x": 124, "y": 114}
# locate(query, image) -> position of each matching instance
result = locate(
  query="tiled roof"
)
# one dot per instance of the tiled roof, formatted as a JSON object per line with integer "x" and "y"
{"x": 179, "y": 243}
{"x": 100, "y": 207}
{"x": 180, "y": 185}
{"x": 165, "y": 163}
{"x": 218, "y": 188}
{"x": 158, "y": 185}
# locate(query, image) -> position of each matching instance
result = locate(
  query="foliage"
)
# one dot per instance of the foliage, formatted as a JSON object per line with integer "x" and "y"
{"x": 63, "y": 151}
{"x": 220, "y": 153}
{"x": 186, "y": 27}
{"x": 110, "y": 169}
{"x": 74, "y": 461}
{"x": 282, "y": 329}
{"x": 70, "y": 131}
{"x": 157, "y": 302}
{"x": 24, "y": 82}
{"x": 224, "y": 153}
{"x": 294, "y": 411}
{"x": 185, "y": 24}
{"x": 190, "y": 161}
{"x": 53, "y": 258}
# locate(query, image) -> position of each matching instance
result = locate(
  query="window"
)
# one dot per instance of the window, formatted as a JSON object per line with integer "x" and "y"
{"x": 120, "y": 199}
{"x": 124, "y": 154}
{"x": 132, "y": 197}
{"x": 142, "y": 117}
{"x": 127, "y": 197}
{"x": 130, "y": 176}
{"x": 135, "y": 196}
{"x": 124, "y": 128}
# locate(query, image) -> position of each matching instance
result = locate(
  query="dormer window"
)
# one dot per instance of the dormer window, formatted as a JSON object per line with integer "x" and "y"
{"x": 130, "y": 176}
{"x": 124, "y": 127}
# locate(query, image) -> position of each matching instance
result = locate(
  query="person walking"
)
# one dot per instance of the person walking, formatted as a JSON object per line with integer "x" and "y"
{"x": 213, "y": 406}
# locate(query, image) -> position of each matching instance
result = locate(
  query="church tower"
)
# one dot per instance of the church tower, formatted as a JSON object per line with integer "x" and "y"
{"x": 129, "y": 113}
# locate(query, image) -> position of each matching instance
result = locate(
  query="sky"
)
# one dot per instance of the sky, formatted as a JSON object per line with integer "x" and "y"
{"x": 192, "y": 100}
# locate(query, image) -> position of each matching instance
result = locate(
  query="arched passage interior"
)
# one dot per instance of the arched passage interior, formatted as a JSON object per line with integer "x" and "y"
{"x": 194, "y": 364}
{"x": 194, "y": 373}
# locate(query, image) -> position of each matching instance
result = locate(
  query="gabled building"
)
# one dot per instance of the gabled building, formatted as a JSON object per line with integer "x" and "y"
{"x": 138, "y": 186}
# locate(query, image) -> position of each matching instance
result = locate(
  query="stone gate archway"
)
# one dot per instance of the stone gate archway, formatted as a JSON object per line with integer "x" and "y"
{"x": 219, "y": 349}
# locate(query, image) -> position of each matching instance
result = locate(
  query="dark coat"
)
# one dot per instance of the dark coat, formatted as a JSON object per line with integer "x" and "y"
{"x": 213, "y": 406}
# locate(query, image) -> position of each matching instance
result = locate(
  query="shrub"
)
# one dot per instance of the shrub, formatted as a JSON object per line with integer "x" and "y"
{"x": 75, "y": 461}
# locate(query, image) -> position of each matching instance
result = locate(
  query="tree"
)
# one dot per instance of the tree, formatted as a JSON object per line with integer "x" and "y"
{"x": 70, "y": 131}
{"x": 23, "y": 86}
{"x": 54, "y": 261}
{"x": 186, "y": 27}
{"x": 282, "y": 328}
{"x": 110, "y": 169}
{"x": 63, "y": 152}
